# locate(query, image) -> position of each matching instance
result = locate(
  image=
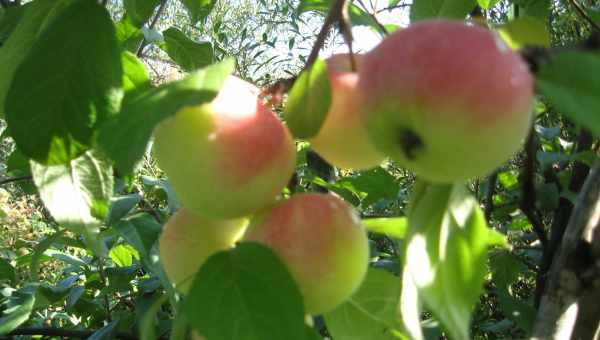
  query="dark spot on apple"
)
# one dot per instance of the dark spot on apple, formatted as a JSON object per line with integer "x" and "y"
{"x": 410, "y": 143}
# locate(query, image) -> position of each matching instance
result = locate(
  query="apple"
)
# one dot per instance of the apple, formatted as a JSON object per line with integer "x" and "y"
{"x": 322, "y": 242}
{"x": 448, "y": 100}
{"x": 343, "y": 139}
{"x": 227, "y": 158}
{"x": 188, "y": 240}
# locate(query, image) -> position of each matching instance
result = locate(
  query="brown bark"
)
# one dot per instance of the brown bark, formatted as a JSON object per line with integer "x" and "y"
{"x": 570, "y": 306}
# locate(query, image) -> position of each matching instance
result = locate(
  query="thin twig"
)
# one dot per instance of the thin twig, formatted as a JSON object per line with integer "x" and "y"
{"x": 528, "y": 190}
{"x": 584, "y": 15}
{"x": 374, "y": 18}
{"x": 143, "y": 44}
{"x": 15, "y": 179}
{"x": 64, "y": 333}
{"x": 335, "y": 15}
{"x": 391, "y": 8}
{"x": 489, "y": 195}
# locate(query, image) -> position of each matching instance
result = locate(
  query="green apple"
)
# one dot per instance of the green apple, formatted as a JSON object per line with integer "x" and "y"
{"x": 448, "y": 100}
{"x": 321, "y": 240}
{"x": 227, "y": 158}
{"x": 343, "y": 139}
{"x": 188, "y": 240}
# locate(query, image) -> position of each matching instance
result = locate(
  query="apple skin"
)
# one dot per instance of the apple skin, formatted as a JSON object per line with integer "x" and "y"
{"x": 188, "y": 240}
{"x": 227, "y": 158}
{"x": 343, "y": 139}
{"x": 321, "y": 240}
{"x": 446, "y": 100}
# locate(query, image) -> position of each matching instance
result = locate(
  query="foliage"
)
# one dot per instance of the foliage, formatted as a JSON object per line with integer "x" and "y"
{"x": 82, "y": 202}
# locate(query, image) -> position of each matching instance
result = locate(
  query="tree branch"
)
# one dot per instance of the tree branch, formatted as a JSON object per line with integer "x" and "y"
{"x": 15, "y": 179}
{"x": 584, "y": 15}
{"x": 64, "y": 333}
{"x": 569, "y": 307}
{"x": 562, "y": 214}
{"x": 334, "y": 16}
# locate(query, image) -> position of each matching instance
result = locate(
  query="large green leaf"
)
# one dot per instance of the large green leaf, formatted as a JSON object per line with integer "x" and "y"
{"x": 445, "y": 257}
{"x": 125, "y": 137}
{"x": 77, "y": 193}
{"x": 139, "y": 11}
{"x": 129, "y": 36}
{"x": 20, "y": 307}
{"x": 7, "y": 271}
{"x": 148, "y": 318}
{"x": 187, "y": 53}
{"x": 10, "y": 19}
{"x": 393, "y": 226}
{"x": 64, "y": 93}
{"x": 309, "y": 101}
{"x": 313, "y": 5}
{"x": 142, "y": 232}
{"x": 539, "y": 9}
{"x": 570, "y": 83}
{"x": 199, "y": 9}
{"x": 35, "y": 17}
{"x": 39, "y": 250}
{"x": 135, "y": 76}
{"x": 453, "y": 9}
{"x": 371, "y": 312}
{"x": 525, "y": 31}
{"x": 245, "y": 293}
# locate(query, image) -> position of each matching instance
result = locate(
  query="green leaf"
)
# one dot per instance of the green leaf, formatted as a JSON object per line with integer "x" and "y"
{"x": 139, "y": 11}
{"x": 313, "y": 5}
{"x": 10, "y": 19}
{"x": 123, "y": 255}
{"x": 148, "y": 320}
{"x": 445, "y": 257}
{"x": 539, "y": 9}
{"x": 129, "y": 36}
{"x": 377, "y": 184}
{"x": 38, "y": 252}
{"x": 142, "y": 232}
{"x": 135, "y": 76}
{"x": 487, "y": 4}
{"x": 521, "y": 312}
{"x": 393, "y": 227}
{"x": 125, "y": 137}
{"x": 121, "y": 206}
{"x": 427, "y": 9}
{"x": 187, "y": 53}
{"x": 371, "y": 312}
{"x": 359, "y": 17}
{"x": 309, "y": 101}
{"x": 506, "y": 268}
{"x": 570, "y": 83}
{"x": 525, "y": 31}
{"x": 105, "y": 333}
{"x": 21, "y": 307}
{"x": 7, "y": 271}
{"x": 594, "y": 14}
{"x": 248, "y": 284}
{"x": 75, "y": 95}
{"x": 36, "y": 16}
{"x": 199, "y": 9}
{"x": 77, "y": 194}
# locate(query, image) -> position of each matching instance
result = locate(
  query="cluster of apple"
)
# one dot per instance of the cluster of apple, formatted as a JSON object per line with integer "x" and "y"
{"x": 445, "y": 99}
